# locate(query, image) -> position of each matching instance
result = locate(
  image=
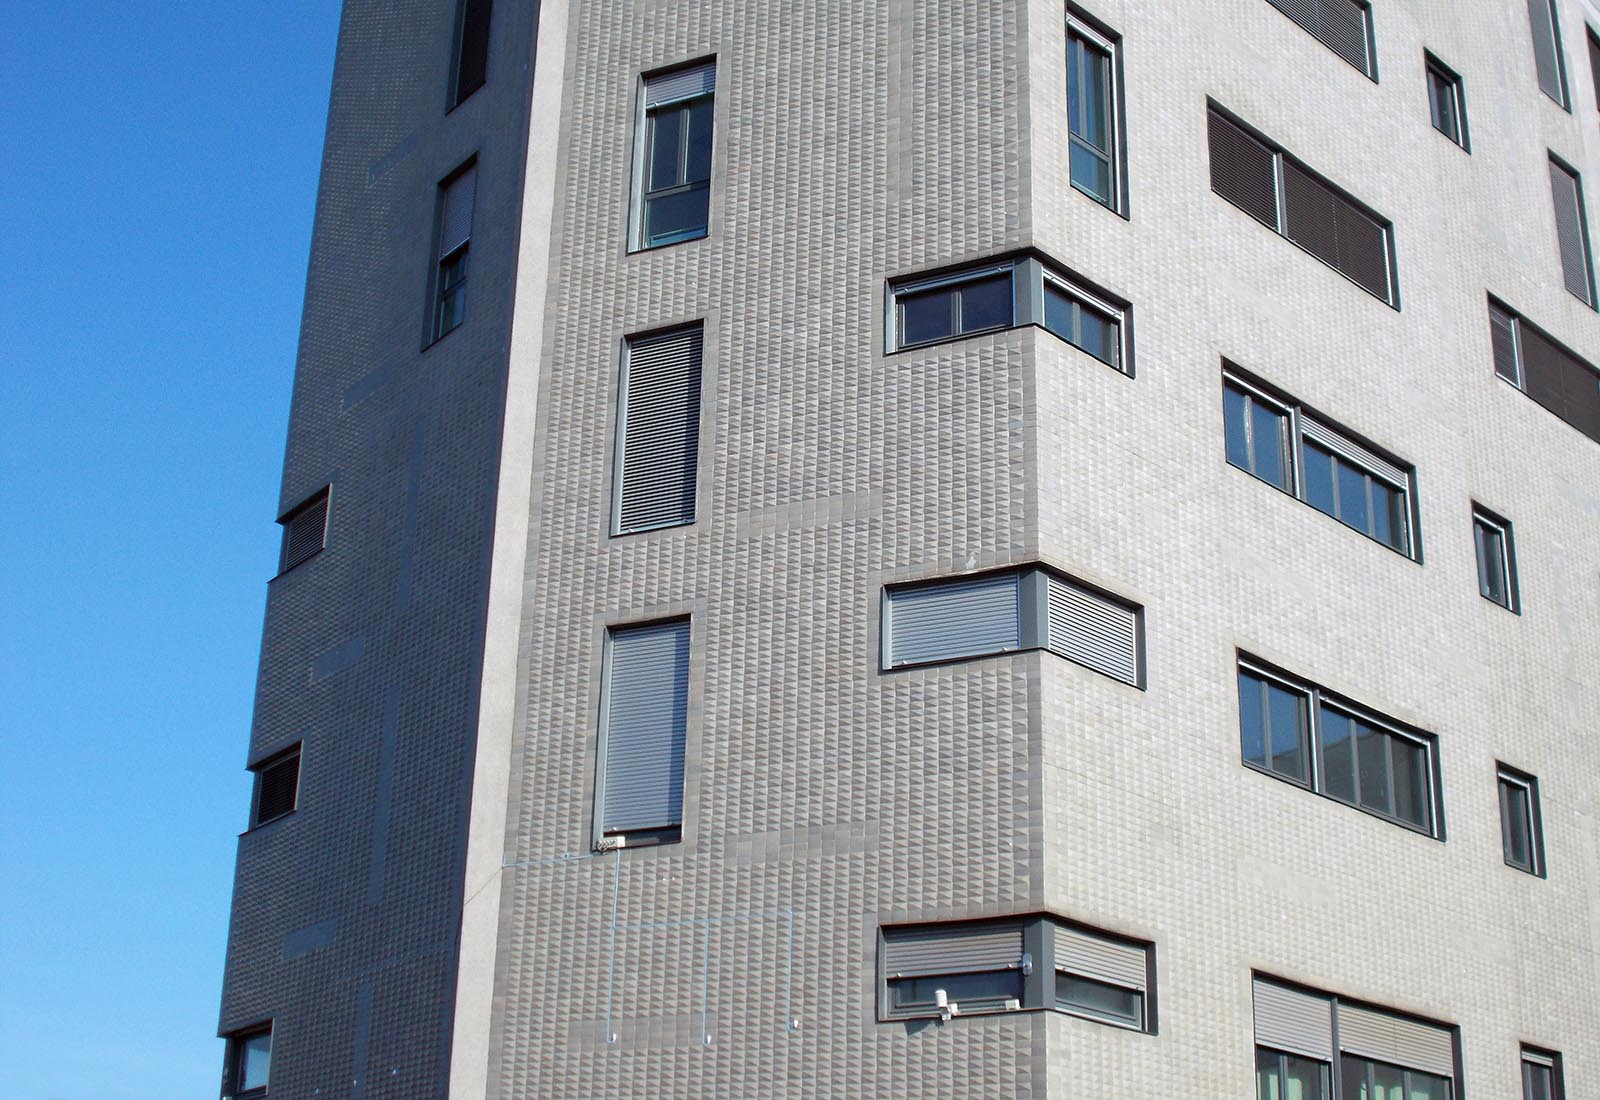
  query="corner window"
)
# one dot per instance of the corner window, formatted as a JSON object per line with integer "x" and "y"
{"x": 1378, "y": 1055}
{"x": 1344, "y": 26}
{"x": 1549, "y": 63}
{"x": 1541, "y": 1075}
{"x": 1572, "y": 232}
{"x": 1299, "y": 732}
{"x": 1008, "y": 293}
{"x": 277, "y": 787}
{"x": 658, "y": 431}
{"x": 1521, "y": 831}
{"x": 1497, "y": 568}
{"x": 1104, "y": 978}
{"x": 1446, "y": 102}
{"x": 470, "y": 66}
{"x": 672, "y": 174}
{"x": 644, "y": 711}
{"x": 1562, "y": 382}
{"x": 305, "y": 530}
{"x": 249, "y": 1061}
{"x": 1094, "y": 122}
{"x": 1010, "y": 611}
{"x": 1269, "y": 435}
{"x": 457, "y": 196}
{"x": 1286, "y": 196}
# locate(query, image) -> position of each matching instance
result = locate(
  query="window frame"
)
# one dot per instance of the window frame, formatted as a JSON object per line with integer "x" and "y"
{"x": 454, "y": 96}
{"x": 1327, "y": 435}
{"x": 259, "y": 769}
{"x": 1485, "y": 521}
{"x": 1531, "y": 1056}
{"x": 1434, "y": 68}
{"x": 1516, "y": 321}
{"x": 233, "y": 1064}
{"x": 1581, "y": 214}
{"x": 1317, "y": 699}
{"x": 1560, "y": 57}
{"x": 1098, "y": 36}
{"x": 1507, "y": 777}
{"x": 616, "y": 527}
{"x": 459, "y": 256}
{"x": 324, "y": 497}
{"x": 643, "y": 145}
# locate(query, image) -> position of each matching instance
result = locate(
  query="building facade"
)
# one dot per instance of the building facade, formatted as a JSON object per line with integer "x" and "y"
{"x": 988, "y": 549}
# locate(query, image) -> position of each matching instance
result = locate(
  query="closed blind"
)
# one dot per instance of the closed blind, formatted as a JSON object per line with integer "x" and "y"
{"x": 1560, "y": 381}
{"x": 646, "y": 714}
{"x": 926, "y": 951}
{"x": 1317, "y": 431}
{"x": 680, "y": 84}
{"x": 1574, "y": 248}
{"x": 1335, "y": 230}
{"x": 1341, "y": 25}
{"x": 965, "y": 618}
{"x": 455, "y": 211}
{"x": 1385, "y": 1038}
{"x": 1101, "y": 959}
{"x": 1093, "y": 631}
{"x": 1547, "y": 49}
{"x": 1242, "y": 169}
{"x": 277, "y": 786}
{"x": 1289, "y": 1020}
{"x": 1503, "y": 339}
{"x": 305, "y": 531}
{"x": 659, "y": 431}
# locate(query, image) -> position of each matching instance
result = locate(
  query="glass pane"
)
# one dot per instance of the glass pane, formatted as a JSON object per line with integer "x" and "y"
{"x": 1388, "y": 515}
{"x": 679, "y": 216}
{"x": 1372, "y": 759}
{"x": 1319, "y": 478}
{"x": 666, "y": 141}
{"x": 698, "y": 165}
{"x": 987, "y": 990}
{"x": 1537, "y": 1082}
{"x": 1269, "y": 1075}
{"x": 1058, "y": 311}
{"x": 1306, "y": 1079}
{"x": 1390, "y": 1080}
{"x": 1353, "y": 497}
{"x": 1425, "y": 1086}
{"x": 255, "y": 1059}
{"x": 1518, "y": 824}
{"x": 1338, "y": 755}
{"x": 1287, "y": 715}
{"x": 1235, "y": 408}
{"x": 1355, "y": 1079}
{"x": 1491, "y": 562}
{"x": 1097, "y": 335}
{"x": 1088, "y": 88}
{"x": 1252, "y": 721}
{"x": 1091, "y": 170}
{"x": 927, "y": 316}
{"x": 1410, "y": 763}
{"x": 986, "y": 303}
{"x": 1100, "y": 999}
{"x": 1267, "y": 434}
{"x": 1442, "y": 94}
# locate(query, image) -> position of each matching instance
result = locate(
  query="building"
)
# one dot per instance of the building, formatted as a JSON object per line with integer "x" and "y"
{"x": 935, "y": 548}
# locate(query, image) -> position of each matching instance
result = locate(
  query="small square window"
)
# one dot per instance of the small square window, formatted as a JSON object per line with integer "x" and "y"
{"x": 1446, "y": 101}
{"x": 672, "y": 170}
{"x": 1521, "y": 831}
{"x": 1497, "y": 568}
{"x": 277, "y": 787}
{"x": 248, "y": 1064}
{"x": 1541, "y": 1075}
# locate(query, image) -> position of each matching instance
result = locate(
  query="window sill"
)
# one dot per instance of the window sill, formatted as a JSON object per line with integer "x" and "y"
{"x": 643, "y": 249}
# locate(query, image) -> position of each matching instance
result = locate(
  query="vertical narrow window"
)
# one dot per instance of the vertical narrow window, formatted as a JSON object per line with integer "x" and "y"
{"x": 672, "y": 184}
{"x": 1497, "y": 567}
{"x": 643, "y": 730}
{"x": 1541, "y": 1075}
{"x": 305, "y": 530}
{"x": 1594, "y": 61}
{"x": 277, "y": 787}
{"x": 1520, "y": 821}
{"x": 658, "y": 431}
{"x": 1572, "y": 232}
{"x": 1548, "y": 61}
{"x": 1094, "y": 123}
{"x": 1275, "y": 727}
{"x": 471, "y": 67}
{"x": 1446, "y": 103}
{"x": 457, "y": 196}
{"x": 249, "y": 1061}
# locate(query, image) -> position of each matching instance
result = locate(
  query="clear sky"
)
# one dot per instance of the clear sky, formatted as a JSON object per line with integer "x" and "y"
{"x": 155, "y": 207}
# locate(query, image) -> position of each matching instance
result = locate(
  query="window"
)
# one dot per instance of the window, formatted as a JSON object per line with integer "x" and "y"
{"x": 672, "y": 177}
{"x": 1094, "y": 122}
{"x": 1268, "y": 434}
{"x": 249, "y": 1060}
{"x": 1497, "y": 563}
{"x": 1023, "y": 290}
{"x": 1010, "y": 611}
{"x": 644, "y": 718}
{"x": 1541, "y": 1075}
{"x": 658, "y": 431}
{"x": 1379, "y": 1054}
{"x": 1547, "y": 59}
{"x": 305, "y": 530}
{"x": 1301, "y": 733}
{"x": 1572, "y": 232}
{"x": 1344, "y": 26}
{"x": 1289, "y": 198}
{"x": 1594, "y": 61}
{"x": 1554, "y": 377}
{"x": 277, "y": 787}
{"x": 1521, "y": 826}
{"x": 973, "y": 967}
{"x": 456, "y": 198}
{"x": 471, "y": 66}
{"x": 1446, "y": 103}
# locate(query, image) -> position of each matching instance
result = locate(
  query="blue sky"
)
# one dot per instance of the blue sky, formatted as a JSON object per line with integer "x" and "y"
{"x": 156, "y": 207}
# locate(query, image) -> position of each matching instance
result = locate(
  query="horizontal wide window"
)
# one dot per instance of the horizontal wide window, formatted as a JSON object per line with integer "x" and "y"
{"x": 1030, "y": 607}
{"x": 1553, "y": 376}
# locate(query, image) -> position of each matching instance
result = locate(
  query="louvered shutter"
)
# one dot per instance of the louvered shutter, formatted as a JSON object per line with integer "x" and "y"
{"x": 1341, "y": 25}
{"x": 1503, "y": 339}
{"x": 1363, "y": 248}
{"x": 680, "y": 84}
{"x": 455, "y": 211}
{"x": 1310, "y": 213}
{"x": 1242, "y": 169}
{"x": 304, "y": 531}
{"x": 1559, "y": 381}
{"x": 1594, "y": 63}
{"x": 277, "y": 787}
{"x": 965, "y": 618}
{"x": 1101, "y": 959}
{"x": 646, "y": 715}
{"x": 1400, "y": 1042}
{"x": 940, "y": 949}
{"x": 1289, "y": 1020}
{"x": 1570, "y": 239}
{"x": 659, "y": 431}
{"x": 1547, "y": 49}
{"x": 1337, "y": 443}
{"x": 1093, "y": 631}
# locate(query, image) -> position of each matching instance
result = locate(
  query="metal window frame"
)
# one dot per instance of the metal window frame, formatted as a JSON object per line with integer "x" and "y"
{"x": 1566, "y": 167}
{"x": 1507, "y": 776}
{"x": 1319, "y": 697}
{"x": 1514, "y": 325}
{"x": 432, "y": 332}
{"x": 619, "y": 435}
{"x": 1565, "y": 102}
{"x": 1501, "y": 527}
{"x": 1545, "y": 1059}
{"x": 1098, "y": 36}
{"x": 258, "y": 771}
{"x": 324, "y": 494}
{"x": 900, "y": 292}
{"x": 453, "y": 96}
{"x": 1432, "y": 68}
{"x": 642, "y": 131}
{"x": 233, "y": 1055}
